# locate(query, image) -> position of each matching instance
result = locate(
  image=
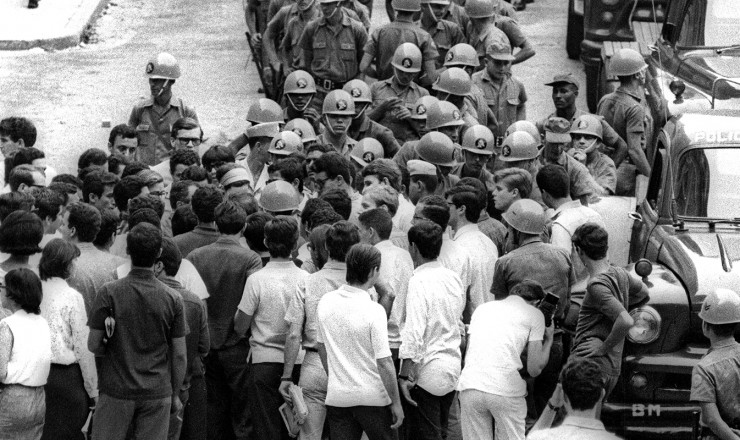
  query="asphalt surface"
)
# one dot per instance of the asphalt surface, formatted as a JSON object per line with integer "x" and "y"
{"x": 69, "y": 93}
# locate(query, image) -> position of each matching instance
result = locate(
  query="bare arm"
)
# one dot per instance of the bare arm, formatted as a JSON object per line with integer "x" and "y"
{"x": 526, "y": 51}
{"x": 365, "y": 63}
{"x": 388, "y": 376}
{"x": 711, "y": 417}
{"x": 242, "y": 322}
{"x": 386, "y": 296}
{"x": 619, "y": 331}
{"x": 95, "y": 342}
{"x": 292, "y": 348}
{"x": 322, "y": 354}
{"x": 178, "y": 354}
{"x": 538, "y": 352}
{"x": 6, "y": 347}
{"x": 636, "y": 154}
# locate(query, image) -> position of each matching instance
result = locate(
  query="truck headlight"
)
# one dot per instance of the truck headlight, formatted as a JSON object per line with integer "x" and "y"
{"x": 647, "y": 325}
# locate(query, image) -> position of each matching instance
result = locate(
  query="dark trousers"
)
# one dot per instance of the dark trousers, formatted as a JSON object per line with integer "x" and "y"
{"x": 118, "y": 419}
{"x": 349, "y": 423}
{"x": 226, "y": 375}
{"x": 67, "y": 403}
{"x": 194, "y": 424}
{"x": 429, "y": 419}
{"x": 263, "y": 381}
{"x": 545, "y": 383}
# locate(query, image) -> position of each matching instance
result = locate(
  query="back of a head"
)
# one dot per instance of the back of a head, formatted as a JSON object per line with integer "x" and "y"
{"x": 196, "y": 173}
{"x": 85, "y": 219}
{"x": 96, "y": 182}
{"x": 183, "y": 220}
{"x": 426, "y": 236}
{"x": 554, "y": 179}
{"x": 16, "y": 128}
{"x": 254, "y": 232}
{"x": 592, "y": 239}
{"x": 126, "y": 189}
{"x": 583, "y": 383}
{"x": 334, "y": 164}
{"x": 324, "y": 216}
{"x": 204, "y": 201}
{"x": 216, "y": 156}
{"x": 23, "y": 286}
{"x": 378, "y": 219}
{"x": 21, "y": 174}
{"x": 340, "y": 237}
{"x": 15, "y": 201}
{"x": 48, "y": 203}
{"x": 146, "y": 201}
{"x": 281, "y": 236}
{"x": 466, "y": 196}
{"x": 515, "y": 178}
{"x": 56, "y": 259}
{"x": 180, "y": 192}
{"x": 384, "y": 196}
{"x": 20, "y": 233}
{"x": 183, "y": 157}
{"x": 340, "y": 202}
{"x": 384, "y": 169}
{"x": 67, "y": 178}
{"x": 361, "y": 259}
{"x": 230, "y": 218}
{"x": 244, "y": 199}
{"x": 92, "y": 156}
{"x": 144, "y": 242}
{"x": 311, "y": 206}
{"x": 480, "y": 189}
{"x": 170, "y": 257}
{"x": 108, "y": 228}
{"x": 529, "y": 290}
{"x": 434, "y": 208}
{"x": 144, "y": 215}
{"x": 26, "y": 156}
{"x": 134, "y": 168}
{"x": 225, "y": 168}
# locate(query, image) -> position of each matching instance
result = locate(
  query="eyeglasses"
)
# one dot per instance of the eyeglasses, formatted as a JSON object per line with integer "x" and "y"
{"x": 185, "y": 141}
{"x": 158, "y": 193}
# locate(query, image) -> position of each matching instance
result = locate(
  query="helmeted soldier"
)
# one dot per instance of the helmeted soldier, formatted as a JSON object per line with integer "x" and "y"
{"x": 444, "y": 33}
{"x": 362, "y": 126}
{"x": 587, "y": 134}
{"x": 443, "y": 117}
{"x": 337, "y": 113}
{"x": 262, "y": 111}
{"x": 454, "y": 85}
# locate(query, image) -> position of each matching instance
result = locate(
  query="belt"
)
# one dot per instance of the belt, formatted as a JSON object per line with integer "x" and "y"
{"x": 311, "y": 349}
{"x": 329, "y": 84}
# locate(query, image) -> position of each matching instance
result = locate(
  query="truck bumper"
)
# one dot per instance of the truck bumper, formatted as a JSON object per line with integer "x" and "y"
{"x": 652, "y": 421}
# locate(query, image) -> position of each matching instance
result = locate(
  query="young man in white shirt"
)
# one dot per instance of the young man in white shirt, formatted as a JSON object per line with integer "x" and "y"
{"x": 430, "y": 348}
{"x": 362, "y": 392}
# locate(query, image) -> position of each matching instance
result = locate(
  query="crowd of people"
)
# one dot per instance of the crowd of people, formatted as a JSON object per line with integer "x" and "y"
{"x": 364, "y": 258}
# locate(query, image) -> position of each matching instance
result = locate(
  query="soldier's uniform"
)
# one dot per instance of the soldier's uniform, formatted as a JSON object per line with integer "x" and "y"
{"x": 382, "y": 90}
{"x": 611, "y": 138}
{"x": 491, "y": 35}
{"x": 371, "y": 129}
{"x": 445, "y": 34}
{"x": 385, "y": 39}
{"x": 346, "y": 148}
{"x": 363, "y": 14}
{"x": 506, "y": 100}
{"x": 456, "y": 14}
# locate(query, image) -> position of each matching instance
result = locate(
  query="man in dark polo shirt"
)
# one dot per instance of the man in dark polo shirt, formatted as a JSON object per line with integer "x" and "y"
{"x": 143, "y": 355}
{"x": 225, "y": 266}
{"x": 204, "y": 202}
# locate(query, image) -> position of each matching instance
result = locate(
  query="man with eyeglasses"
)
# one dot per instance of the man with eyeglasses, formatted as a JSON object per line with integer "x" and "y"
{"x": 24, "y": 178}
{"x": 186, "y": 134}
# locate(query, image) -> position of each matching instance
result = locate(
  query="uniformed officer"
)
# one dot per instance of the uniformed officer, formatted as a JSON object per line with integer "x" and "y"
{"x": 439, "y": 150}
{"x": 152, "y": 118}
{"x": 304, "y": 129}
{"x": 363, "y": 14}
{"x": 393, "y": 98}
{"x": 285, "y": 144}
{"x": 262, "y": 111}
{"x": 338, "y": 110}
{"x": 505, "y": 95}
{"x": 465, "y": 57}
{"x": 442, "y": 116}
{"x": 281, "y": 37}
{"x": 444, "y": 33}
{"x": 482, "y": 31}
{"x": 456, "y": 14}
{"x": 520, "y": 150}
{"x": 332, "y": 49}
{"x": 587, "y": 135}
{"x": 454, "y": 85}
{"x": 299, "y": 90}
{"x": 366, "y": 151}
{"x": 418, "y": 117}
{"x": 256, "y": 159}
{"x": 384, "y": 40}
{"x": 362, "y": 126}
{"x": 564, "y": 94}
{"x": 477, "y": 149}
{"x": 625, "y": 110}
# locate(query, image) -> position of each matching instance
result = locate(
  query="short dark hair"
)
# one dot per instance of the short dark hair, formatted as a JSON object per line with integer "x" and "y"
{"x": 122, "y": 130}
{"x": 56, "y": 259}
{"x": 290, "y": 169}
{"x": 185, "y": 124}
{"x": 180, "y": 192}
{"x": 384, "y": 169}
{"x": 324, "y": 216}
{"x": 323, "y": 148}
{"x": 334, "y": 164}
{"x": 150, "y": 177}
{"x": 183, "y": 157}
{"x": 21, "y": 174}
{"x": 466, "y": 196}
{"x": 254, "y": 233}
{"x": 24, "y": 288}
{"x": 311, "y": 206}
{"x": 48, "y": 203}
{"x": 216, "y": 156}
{"x": 340, "y": 202}
{"x": 435, "y": 209}
{"x": 146, "y": 201}
{"x": 582, "y": 381}
{"x": 196, "y": 173}
{"x": 85, "y": 219}
{"x": 108, "y": 227}
{"x": 479, "y": 187}
{"x": 16, "y": 127}
{"x": 27, "y": 156}
{"x": 144, "y": 242}
{"x": 20, "y": 233}
{"x": 96, "y": 182}
{"x": 92, "y": 156}
{"x": 67, "y": 178}
{"x": 225, "y": 168}
{"x": 429, "y": 182}
{"x": 340, "y": 237}
{"x": 183, "y": 220}
{"x": 170, "y": 257}
{"x": 378, "y": 219}
{"x": 427, "y": 237}
{"x": 134, "y": 168}
{"x": 245, "y": 200}
{"x": 281, "y": 236}
{"x": 554, "y": 179}
{"x": 15, "y": 201}
{"x": 65, "y": 189}
{"x": 144, "y": 215}
{"x": 115, "y": 161}
{"x": 723, "y": 330}
{"x": 592, "y": 239}
{"x": 204, "y": 202}
{"x": 361, "y": 260}
{"x": 529, "y": 290}
{"x": 126, "y": 189}
{"x": 230, "y": 218}
{"x": 317, "y": 243}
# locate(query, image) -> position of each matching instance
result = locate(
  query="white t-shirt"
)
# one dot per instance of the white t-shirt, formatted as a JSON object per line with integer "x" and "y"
{"x": 354, "y": 331}
{"x": 482, "y": 254}
{"x": 499, "y": 332}
{"x": 396, "y": 268}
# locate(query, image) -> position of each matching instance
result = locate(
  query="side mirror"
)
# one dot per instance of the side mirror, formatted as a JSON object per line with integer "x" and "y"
{"x": 677, "y": 87}
{"x": 644, "y": 268}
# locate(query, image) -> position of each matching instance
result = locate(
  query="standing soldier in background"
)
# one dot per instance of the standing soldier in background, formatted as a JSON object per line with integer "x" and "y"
{"x": 152, "y": 118}
{"x": 362, "y": 126}
{"x": 283, "y": 32}
{"x": 483, "y": 31}
{"x": 444, "y": 33}
{"x": 299, "y": 90}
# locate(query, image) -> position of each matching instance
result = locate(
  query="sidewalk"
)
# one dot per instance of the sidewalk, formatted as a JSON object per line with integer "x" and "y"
{"x": 55, "y": 24}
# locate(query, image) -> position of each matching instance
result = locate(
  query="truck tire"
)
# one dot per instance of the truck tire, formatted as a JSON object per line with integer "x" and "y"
{"x": 593, "y": 85}
{"x": 574, "y": 33}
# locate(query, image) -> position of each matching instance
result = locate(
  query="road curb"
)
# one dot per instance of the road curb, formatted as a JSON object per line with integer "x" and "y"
{"x": 70, "y": 36}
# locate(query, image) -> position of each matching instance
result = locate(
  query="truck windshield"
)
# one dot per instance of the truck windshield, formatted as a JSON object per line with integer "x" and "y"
{"x": 711, "y": 23}
{"x": 707, "y": 182}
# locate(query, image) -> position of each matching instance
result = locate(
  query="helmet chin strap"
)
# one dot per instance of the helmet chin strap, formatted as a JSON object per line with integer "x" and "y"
{"x": 299, "y": 109}
{"x": 336, "y": 8}
{"x": 591, "y": 147}
{"x": 431, "y": 13}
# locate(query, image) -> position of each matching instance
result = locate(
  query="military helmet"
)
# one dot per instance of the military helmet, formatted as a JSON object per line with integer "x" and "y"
{"x": 525, "y": 126}
{"x": 437, "y": 149}
{"x": 443, "y": 114}
{"x": 527, "y": 216}
{"x": 265, "y": 110}
{"x": 299, "y": 82}
{"x": 163, "y": 66}
{"x": 479, "y": 139}
{"x": 435, "y": 2}
{"x": 421, "y": 106}
{"x": 366, "y": 151}
{"x": 359, "y": 90}
{"x": 454, "y": 81}
{"x": 407, "y": 58}
{"x": 588, "y": 124}
{"x": 462, "y": 54}
{"x": 302, "y": 128}
{"x": 721, "y": 306}
{"x": 279, "y": 196}
{"x": 519, "y": 146}
{"x": 626, "y": 62}
{"x": 285, "y": 143}
{"x": 339, "y": 102}
{"x": 480, "y": 8}
{"x": 406, "y": 5}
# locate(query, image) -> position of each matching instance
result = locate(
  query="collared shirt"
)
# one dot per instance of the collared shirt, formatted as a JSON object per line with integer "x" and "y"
{"x": 610, "y": 137}
{"x": 396, "y": 268}
{"x": 716, "y": 379}
{"x": 455, "y": 258}
{"x": 506, "y": 99}
{"x": 445, "y": 34}
{"x": 266, "y": 296}
{"x": 92, "y": 269}
{"x": 290, "y": 42}
{"x": 187, "y": 275}
{"x": 333, "y": 52}
{"x": 389, "y": 88}
{"x": 482, "y": 256}
{"x": 431, "y": 337}
{"x": 581, "y": 181}
{"x": 534, "y": 260}
{"x": 603, "y": 171}
{"x": 456, "y": 14}
{"x": 494, "y": 230}
{"x": 371, "y": 129}
{"x": 575, "y": 428}
{"x": 490, "y": 35}
{"x": 197, "y": 238}
{"x": 405, "y": 214}
{"x": 354, "y": 331}
{"x": 626, "y": 113}
{"x": 153, "y": 125}
{"x": 347, "y": 146}
{"x": 385, "y": 39}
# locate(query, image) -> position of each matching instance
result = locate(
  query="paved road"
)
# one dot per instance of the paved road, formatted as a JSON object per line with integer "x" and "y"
{"x": 68, "y": 93}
